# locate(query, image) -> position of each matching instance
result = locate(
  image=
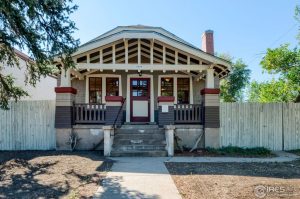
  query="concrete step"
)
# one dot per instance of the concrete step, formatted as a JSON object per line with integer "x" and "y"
{"x": 137, "y": 142}
{"x": 141, "y": 147}
{"x": 139, "y": 136}
{"x": 139, "y": 153}
{"x": 139, "y": 126}
{"x": 141, "y": 131}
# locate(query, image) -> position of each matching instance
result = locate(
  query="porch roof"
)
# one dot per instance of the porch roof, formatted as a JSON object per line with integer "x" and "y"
{"x": 145, "y": 48}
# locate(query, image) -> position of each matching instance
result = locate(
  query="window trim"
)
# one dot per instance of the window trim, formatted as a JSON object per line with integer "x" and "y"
{"x": 171, "y": 77}
{"x": 175, "y": 76}
{"x": 89, "y": 84}
{"x": 103, "y": 76}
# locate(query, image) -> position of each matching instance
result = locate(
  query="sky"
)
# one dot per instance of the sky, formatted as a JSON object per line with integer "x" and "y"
{"x": 243, "y": 29}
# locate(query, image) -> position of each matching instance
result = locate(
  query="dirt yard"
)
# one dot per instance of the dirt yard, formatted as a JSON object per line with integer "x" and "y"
{"x": 51, "y": 174}
{"x": 236, "y": 180}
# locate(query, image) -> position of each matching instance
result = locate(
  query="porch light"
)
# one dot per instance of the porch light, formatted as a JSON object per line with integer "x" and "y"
{"x": 167, "y": 79}
{"x": 140, "y": 73}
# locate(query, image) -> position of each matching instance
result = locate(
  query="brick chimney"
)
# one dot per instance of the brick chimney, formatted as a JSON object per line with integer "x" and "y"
{"x": 208, "y": 42}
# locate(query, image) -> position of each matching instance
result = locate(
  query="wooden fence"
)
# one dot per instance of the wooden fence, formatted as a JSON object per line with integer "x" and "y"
{"x": 28, "y": 125}
{"x": 272, "y": 125}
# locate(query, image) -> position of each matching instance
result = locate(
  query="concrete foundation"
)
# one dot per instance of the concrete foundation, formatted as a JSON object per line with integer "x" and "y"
{"x": 89, "y": 135}
{"x": 189, "y": 135}
{"x": 62, "y": 138}
{"x": 212, "y": 137}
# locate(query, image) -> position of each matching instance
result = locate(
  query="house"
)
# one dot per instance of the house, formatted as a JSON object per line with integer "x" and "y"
{"x": 140, "y": 79}
{"x": 43, "y": 90}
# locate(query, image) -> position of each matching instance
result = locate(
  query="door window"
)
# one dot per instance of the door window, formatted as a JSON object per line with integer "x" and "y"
{"x": 139, "y": 88}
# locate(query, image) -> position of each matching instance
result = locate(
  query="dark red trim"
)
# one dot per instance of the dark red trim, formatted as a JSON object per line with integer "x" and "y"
{"x": 166, "y": 99}
{"x": 114, "y": 98}
{"x": 210, "y": 91}
{"x": 65, "y": 90}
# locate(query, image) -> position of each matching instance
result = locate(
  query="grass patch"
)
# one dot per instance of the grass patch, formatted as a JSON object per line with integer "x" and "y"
{"x": 296, "y": 151}
{"x": 238, "y": 151}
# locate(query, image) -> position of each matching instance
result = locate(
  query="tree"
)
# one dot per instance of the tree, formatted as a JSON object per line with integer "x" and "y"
{"x": 271, "y": 91}
{"x": 286, "y": 63}
{"x": 44, "y": 30}
{"x": 232, "y": 87}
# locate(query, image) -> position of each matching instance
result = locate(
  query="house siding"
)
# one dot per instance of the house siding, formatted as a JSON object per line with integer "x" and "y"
{"x": 80, "y": 85}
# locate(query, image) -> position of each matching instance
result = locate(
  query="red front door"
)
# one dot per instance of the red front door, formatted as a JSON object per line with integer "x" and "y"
{"x": 140, "y": 99}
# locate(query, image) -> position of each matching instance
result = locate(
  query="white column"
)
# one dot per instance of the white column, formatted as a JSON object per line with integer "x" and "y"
{"x": 65, "y": 78}
{"x": 210, "y": 80}
{"x": 169, "y": 133}
{"x": 108, "y": 139}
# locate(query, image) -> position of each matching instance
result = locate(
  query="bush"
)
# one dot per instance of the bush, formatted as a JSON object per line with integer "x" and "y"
{"x": 239, "y": 151}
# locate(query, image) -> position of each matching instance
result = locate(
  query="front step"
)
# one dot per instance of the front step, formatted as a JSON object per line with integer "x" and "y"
{"x": 143, "y": 147}
{"x": 139, "y": 140}
{"x": 139, "y": 153}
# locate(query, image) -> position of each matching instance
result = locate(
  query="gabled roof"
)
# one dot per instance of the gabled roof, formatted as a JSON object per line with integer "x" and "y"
{"x": 140, "y": 28}
{"x": 141, "y": 31}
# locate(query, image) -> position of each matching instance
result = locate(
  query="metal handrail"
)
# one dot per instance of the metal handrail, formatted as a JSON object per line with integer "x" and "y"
{"x": 121, "y": 108}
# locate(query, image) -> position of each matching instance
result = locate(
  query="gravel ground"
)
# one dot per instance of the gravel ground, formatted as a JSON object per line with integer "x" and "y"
{"x": 236, "y": 180}
{"x": 51, "y": 174}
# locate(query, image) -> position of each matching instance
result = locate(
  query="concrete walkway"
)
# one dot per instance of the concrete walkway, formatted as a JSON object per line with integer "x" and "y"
{"x": 138, "y": 177}
{"x": 146, "y": 177}
{"x": 281, "y": 157}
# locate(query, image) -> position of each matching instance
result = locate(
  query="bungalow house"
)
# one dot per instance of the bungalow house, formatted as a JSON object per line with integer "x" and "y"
{"x": 140, "y": 80}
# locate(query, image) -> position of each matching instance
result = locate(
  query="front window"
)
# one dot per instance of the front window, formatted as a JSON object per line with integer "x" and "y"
{"x": 95, "y": 90}
{"x": 112, "y": 86}
{"x": 166, "y": 86}
{"x": 183, "y": 90}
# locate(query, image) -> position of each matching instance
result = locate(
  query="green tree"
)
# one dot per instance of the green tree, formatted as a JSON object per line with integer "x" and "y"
{"x": 271, "y": 91}
{"x": 233, "y": 86}
{"x": 286, "y": 63}
{"x": 44, "y": 30}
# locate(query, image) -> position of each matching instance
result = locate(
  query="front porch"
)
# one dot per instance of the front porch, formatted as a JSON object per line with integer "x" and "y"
{"x": 141, "y": 75}
{"x": 96, "y": 114}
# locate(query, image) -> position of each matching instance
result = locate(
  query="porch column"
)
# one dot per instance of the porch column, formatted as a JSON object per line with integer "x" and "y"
{"x": 211, "y": 103}
{"x": 113, "y": 106}
{"x": 65, "y": 97}
{"x": 165, "y": 110}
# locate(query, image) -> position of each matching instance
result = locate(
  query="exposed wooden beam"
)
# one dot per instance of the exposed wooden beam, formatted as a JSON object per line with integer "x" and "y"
{"x": 139, "y": 51}
{"x": 114, "y": 54}
{"x": 101, "y": 56}
{"x": 76, "y": 73}
{"x": 156, "y": 67}
{"x": 151, "y": 52}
